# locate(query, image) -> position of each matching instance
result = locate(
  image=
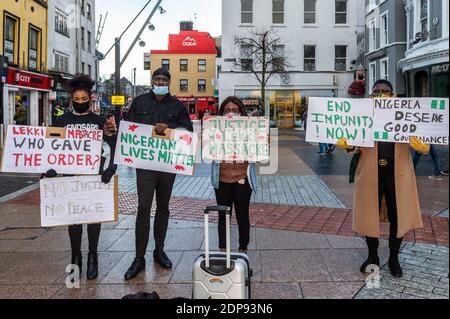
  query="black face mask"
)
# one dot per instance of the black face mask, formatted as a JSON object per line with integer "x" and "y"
{"x": 81, "y": 107}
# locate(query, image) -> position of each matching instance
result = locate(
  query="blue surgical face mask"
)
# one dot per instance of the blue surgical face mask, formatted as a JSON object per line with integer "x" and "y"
{"x": 160, "y": 90}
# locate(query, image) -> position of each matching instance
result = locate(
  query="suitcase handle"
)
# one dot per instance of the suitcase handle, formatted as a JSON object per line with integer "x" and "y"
{"x": 218, "y": 208}
{"x": 227, "y": 211}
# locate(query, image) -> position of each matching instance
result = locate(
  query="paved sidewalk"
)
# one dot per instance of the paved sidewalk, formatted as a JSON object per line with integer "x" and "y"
{"x": 286, "y": 264}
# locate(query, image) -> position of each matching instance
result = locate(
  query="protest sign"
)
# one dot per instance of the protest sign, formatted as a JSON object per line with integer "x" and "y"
{"x": 78, "y": 200}
{"x": 139, "y": 147}
{"x": 331, "y": 119}
{"x": 398, "y": 119}
{"x": 235, "y": 138}
{"x": 35, "y": 149}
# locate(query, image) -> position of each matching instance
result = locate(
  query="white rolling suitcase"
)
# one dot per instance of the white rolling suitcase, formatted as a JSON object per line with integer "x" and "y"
{"x": 220, "y": 275}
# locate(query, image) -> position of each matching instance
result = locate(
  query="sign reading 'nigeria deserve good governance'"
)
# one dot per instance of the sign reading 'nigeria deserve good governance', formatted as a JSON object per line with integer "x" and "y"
{"x": 138, "y": 146}
{"x": 235, "y": 138}
{"x": 398, "y": 119}
{"x": 35, "y": 149}
{"x": 330, "y": 119}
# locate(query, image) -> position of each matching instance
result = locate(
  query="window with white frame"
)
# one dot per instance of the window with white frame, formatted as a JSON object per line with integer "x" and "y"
{"x": 384, "y": 29}
{"x": 61, "y": 23}
{"x": 246, "y": 60}
{"x": 309, "y": 11}
{"x": 372, "y": 75}
{"x": 277, "y": 11}
{"x": 372, "y": 35}
{"x": 341, "y": 11}
{"x": 61, "y": 62}
{"x": 309, "y": 57}
{"x": 424, "y": 19}
{"x": 384, "y": 69}
{"x": 340, "y": 57}
{"x": 246, "y": 11}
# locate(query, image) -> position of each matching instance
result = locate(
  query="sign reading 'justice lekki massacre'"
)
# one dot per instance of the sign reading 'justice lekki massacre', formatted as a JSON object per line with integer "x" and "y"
{"x": 398, "y": 119}
{"x": 330, "y": 119}
{"x": 138, "y": 146}
{"x": 78, "y": 200}
{"x": 34, "y": 149}
{"x": 235, "y": 138}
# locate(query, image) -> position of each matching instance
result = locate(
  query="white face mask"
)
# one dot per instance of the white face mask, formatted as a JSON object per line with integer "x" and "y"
{"x": 232, "y": 114}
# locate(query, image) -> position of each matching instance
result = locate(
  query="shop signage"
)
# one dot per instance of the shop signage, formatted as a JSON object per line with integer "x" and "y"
{"x": 29, "y": 80}
{"x": 439, "y": 69}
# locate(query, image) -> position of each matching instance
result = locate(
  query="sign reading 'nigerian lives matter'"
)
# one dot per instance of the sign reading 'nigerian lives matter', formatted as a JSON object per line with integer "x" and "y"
{"x": 398, "y": 119}
{"x": 138, "y": 147}
{"x": 35, "y": 149}
{"x": 331, "y": 119}
{"x": 235, "y": 138}
{"x": 78, "y": 200}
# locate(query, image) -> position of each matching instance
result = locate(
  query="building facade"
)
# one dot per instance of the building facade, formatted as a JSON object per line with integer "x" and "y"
{"x": 385, "y": 43}
{"x": 426, "y": 61}
{"x": 318, "y": 65}
{"x": 191, "y": 61}
{"x": 25, "y": 84}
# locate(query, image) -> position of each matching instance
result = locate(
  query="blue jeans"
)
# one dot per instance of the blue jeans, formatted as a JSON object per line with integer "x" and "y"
{"x": 323, "y": 147}
{"x": 435, "y": 156}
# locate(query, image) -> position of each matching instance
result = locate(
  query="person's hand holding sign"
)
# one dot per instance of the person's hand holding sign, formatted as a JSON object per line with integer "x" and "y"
{"x": 342, "y": 143}
{"x": 110, "y": 127}
{"x": 419, "y": 146}
{"x": 160, "y": 128}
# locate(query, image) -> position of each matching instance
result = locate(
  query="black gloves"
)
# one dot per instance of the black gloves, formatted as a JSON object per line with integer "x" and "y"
{"x": 107, "y": 175}
{"x": 49, "y": 174}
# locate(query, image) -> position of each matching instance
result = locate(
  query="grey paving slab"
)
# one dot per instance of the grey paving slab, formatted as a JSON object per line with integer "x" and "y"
{"x": 21, "y": 233}
{"x": 117, "y": 291}
{"x": 153, "y": 272}
{"x": 276, "y": 291}
{"x": 234, "y": 242}
{"x": 127, "y": 242}
{"x": 27, "y": 291}
{"x": 293, "y": 266}
{"x": 184, "y": 239}
{"x": 21, "y": 216}
{"x": 330, "y": 290}
{"x": 267, "y": 239}
{"x": 58, "y": 240}
{"x": 343, "y": 264}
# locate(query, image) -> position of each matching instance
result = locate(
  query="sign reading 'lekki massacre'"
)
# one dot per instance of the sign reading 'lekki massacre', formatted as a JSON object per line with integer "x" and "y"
{"x": 77, "y": 200}
{"x": 398, "y": 119}
{"x": 139, "y": 147}
{"x": 331, "y": 119}
{"x": 34, "y": 149}
{"x": 235, "y": 138}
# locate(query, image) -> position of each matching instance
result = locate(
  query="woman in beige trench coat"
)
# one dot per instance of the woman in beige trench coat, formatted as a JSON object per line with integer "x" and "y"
{"x": 385, "y": 184}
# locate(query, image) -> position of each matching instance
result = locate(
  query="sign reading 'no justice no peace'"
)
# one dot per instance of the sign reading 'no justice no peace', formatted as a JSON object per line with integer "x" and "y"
{"x": 235, "y": 139}
{"x": 139, "y": 147}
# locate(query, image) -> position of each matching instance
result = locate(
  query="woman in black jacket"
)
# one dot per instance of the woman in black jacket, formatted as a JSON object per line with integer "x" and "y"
{"x": 83, "y": 118}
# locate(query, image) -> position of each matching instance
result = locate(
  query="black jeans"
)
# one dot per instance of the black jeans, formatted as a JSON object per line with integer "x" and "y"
{"x": 386, "y": 186}
{"x": 147, "y": 183}
{"x": 237, "y": 196}
{"x": 76, "y": 233}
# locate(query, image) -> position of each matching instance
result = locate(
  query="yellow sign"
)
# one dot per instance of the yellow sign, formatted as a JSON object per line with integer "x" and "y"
{"x": 118, "y": 100}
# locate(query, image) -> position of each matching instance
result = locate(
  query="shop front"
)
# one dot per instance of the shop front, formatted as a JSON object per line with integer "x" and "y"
{"x": 285, "y": 108}
{"x": 200, "y": 104}
{"x": 429, "y": 81}
{"x": 25, "y": 98}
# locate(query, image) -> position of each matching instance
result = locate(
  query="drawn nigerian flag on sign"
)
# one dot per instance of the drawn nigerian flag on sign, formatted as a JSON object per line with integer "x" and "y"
{"x": 138, "y": 147}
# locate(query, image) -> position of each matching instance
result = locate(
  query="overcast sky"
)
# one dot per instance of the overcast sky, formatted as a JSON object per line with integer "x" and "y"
{"x": 121, "y": 13}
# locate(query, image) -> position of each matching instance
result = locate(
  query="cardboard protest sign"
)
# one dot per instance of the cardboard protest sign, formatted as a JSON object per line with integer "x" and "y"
{"x": 78, "y": 200}
{"x": 35, "y": 149}
{"x": 138, "y": 146}
{"x": 398, "y": 119}
{"x": 235, "y": 138}
{"x": 330, "y": 119}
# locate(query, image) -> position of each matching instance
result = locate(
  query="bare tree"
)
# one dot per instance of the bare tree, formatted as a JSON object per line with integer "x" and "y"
{"x": 262, "y": 54}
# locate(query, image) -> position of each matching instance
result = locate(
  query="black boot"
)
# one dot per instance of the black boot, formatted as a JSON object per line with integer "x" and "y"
{"x": 372, "y": 245}
{"x": 76, "y": 260}
{"x": 136, "y": 267}
{"x": 394, "y": 264}
{"x": 92, "y": 266}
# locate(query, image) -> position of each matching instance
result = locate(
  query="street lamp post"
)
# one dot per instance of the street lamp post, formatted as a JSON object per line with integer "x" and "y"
{"x": 134, "y": 83}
